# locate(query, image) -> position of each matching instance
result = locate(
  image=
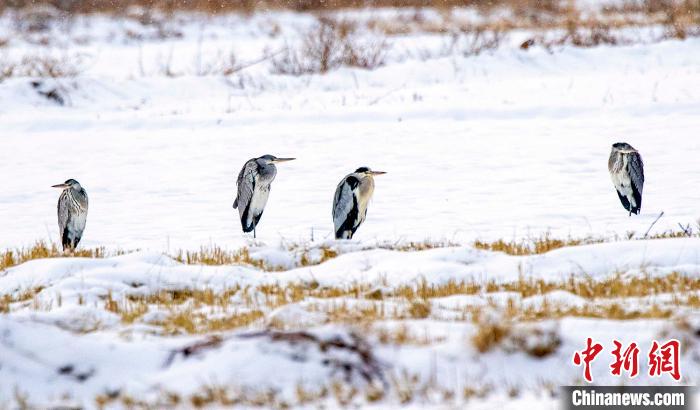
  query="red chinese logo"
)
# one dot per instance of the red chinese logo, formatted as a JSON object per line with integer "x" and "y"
{"x": 662, "y": 359}
{"x": 665, "y": 359}
{"x": 629, "y": 360}
{"x": 588, "y": 354}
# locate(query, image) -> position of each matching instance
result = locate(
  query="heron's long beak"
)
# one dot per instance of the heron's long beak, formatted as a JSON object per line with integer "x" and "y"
{"x": 283, "y": 159}
{"x": 62, "y": 186}
{"x": 377, "y": 172}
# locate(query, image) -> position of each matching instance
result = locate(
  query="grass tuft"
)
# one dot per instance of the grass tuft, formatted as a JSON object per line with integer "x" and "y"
{"x": 533, "y": 246}
{"x": 40, "y": 250}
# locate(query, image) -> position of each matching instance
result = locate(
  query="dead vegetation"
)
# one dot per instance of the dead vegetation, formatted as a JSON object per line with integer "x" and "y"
{"x": 402, "y": 335}
{"x": 41, "y": 250}
{"x": 212, "y": 255}
{"x": 521, "y": 7}
{"x": 329, "y": 45}
{"x": 546, "y": 243}
{"x": 42, "y": 66}
{"x": 203, "y": 311}
{"x": 580, "y": 285}
{"x": 21, "y": 296}
{"x": 489, "y": 334}
{"x": 477, "y": 40}
{"x": 534, "y": 245}
{"x": 681, "y": 19}
{"x": 533, "y": 13}
{"x": 307, "y": 255}
{"x": 189, "y": 321}
{"x": 335, "y": 42}
{"x": 215, "y": 255}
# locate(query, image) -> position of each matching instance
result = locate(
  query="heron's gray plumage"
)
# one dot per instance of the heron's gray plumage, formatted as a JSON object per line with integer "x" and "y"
{"x": 254, "y": 181}
{"x": 72, "y": 213}
{"x": 350, "y": 201}
{"x": 627, "y": 174}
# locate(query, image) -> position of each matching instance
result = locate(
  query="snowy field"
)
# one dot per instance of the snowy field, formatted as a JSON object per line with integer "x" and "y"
{"x": 508, "y": 144}
{"x": 355, "y": 329}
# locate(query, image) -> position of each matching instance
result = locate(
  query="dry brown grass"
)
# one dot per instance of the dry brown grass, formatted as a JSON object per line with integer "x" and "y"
{"x": 416, "y": 300}
{"x": 425, "y": 290}
{"x": 326, "y": 254}
{"x": 533, "y": 246}
{"x": 581, "y": 32}
{"x": 196, "y": 322}
{"x": 522, "y": 7}
{"x": 172, "y": 297}
{"x": 680, "y": 17}
{"x": 489, "y": 334}
{"x": 545, "y": 243}
{"x": 579, "y": 285}
{"x": 515, "y": 327}
{"x": 402, "y": 335}
{"x": 613, "y": 311}
{"x": 41, "y": 66}
{"x": 528, "y": 13}
{"x": 21, "y": 296}
{"x": 214, "y": 255}
{"x": 413, "y": 246}
{"x": 419, "y": 309}
{"x": 206, "y": 310}
{"x": 232, "y": 396}
{"x": 351, "y": 313}
{"x": 41, "y": 250}
{"x": 209, "y": 255}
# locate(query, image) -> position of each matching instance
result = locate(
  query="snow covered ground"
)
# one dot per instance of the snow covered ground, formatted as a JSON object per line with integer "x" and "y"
{"x": 502, "y": 145}
{"x": 67, "y": 343}
{"x": 508, "y": 144}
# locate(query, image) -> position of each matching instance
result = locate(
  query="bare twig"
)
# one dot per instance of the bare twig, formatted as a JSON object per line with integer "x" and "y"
{"x": 687, "y": 230}
{"x": 194, "y": 348}
{"x": 653, "y": 223}
{"x": 388, "y": 93}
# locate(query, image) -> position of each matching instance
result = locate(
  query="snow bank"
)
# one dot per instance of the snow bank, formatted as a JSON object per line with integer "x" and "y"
{"x": 146, "y": 271}
{"x": 81, "y": 349}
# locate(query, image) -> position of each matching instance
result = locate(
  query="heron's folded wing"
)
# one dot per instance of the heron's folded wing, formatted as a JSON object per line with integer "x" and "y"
{"x": 342, "y": 203}
{"x": 636, "y": 171}
{"x": 63, "y": 211}
{"x": 246, "y": 184}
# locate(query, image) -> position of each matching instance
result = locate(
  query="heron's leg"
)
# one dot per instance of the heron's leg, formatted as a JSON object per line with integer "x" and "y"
{"x": 255, "y": 235}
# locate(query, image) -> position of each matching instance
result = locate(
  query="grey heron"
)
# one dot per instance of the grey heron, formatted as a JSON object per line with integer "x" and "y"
{"x": 253, "y": 189}
{"x": 350, "y": 201}
{"x": 627, "y": 174}
{"x": 72, "y": 213}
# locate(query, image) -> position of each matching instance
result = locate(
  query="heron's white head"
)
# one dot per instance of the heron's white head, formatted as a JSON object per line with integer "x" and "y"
{"x": 623, "y": 148}
{"x": 368, "y": 171}
{"x": 71, "y": 183}
{"x": 271, "y": 159}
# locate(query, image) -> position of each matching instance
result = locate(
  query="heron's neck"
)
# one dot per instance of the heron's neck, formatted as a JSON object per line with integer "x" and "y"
{"x": 620, "y": 161}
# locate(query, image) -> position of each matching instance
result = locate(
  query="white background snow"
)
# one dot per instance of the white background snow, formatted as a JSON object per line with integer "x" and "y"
{"x": 503, "y": 145}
